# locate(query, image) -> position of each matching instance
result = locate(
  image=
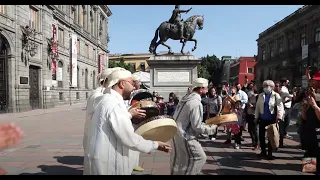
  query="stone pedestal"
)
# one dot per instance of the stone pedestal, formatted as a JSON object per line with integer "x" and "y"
{"x": 172, "y": 73}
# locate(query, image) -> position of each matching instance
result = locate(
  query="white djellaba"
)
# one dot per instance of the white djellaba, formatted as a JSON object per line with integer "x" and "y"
{"x": 111, "y": 134}
{"x": 188, "y": 156}
{"x": 92, "y": 99}
{"x": 134, "y": 155}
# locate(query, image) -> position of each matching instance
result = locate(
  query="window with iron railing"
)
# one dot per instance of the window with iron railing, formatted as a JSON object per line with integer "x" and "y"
{"x": 61, "y": 36}
{"x": 86, "y": 50}
{"x": 290, "y": 43}
{"x": 303, "y": 39}
{"x": 271, "y": 52}
{"x": 34, "y": 19}
{"x": 263, "y": 54}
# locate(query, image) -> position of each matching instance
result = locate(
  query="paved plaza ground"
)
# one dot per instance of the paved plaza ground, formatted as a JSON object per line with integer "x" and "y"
{"x": 53, "y": 145}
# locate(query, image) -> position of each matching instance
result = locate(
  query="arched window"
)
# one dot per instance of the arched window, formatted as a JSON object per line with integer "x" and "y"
{"x": 86, "y": 79}
{"x": 78, "y": 77}
{"x": 59, "y": 74}
{"x": 94, "y": 80}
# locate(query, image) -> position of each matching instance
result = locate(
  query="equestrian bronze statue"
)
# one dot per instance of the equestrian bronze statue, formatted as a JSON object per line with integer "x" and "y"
{"x": 177, "y": 29}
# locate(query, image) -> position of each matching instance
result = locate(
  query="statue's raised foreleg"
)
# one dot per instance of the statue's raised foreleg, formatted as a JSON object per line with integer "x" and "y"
{"x": 195, "y": 43}
{"x": 183, "y": 45}
{"x": 169, "y": 48}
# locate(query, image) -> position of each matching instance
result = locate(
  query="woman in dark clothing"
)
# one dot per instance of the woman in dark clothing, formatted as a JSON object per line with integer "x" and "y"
{"x": 204, "y": 105}
{"x": 311, "y": 116}
{"x": 250, "y": 111}
{"x": 170, "y": 104}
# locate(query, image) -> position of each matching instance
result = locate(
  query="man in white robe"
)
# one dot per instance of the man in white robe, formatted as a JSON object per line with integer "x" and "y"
{"x": 94, "y": 99}
{"x": 111, "y": 132}
{"x": 188, "y": 156}
{"x": 102, "y": 78}
{"x": 134, "y": 155}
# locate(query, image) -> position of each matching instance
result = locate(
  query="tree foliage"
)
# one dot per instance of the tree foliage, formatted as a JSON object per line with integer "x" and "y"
{"x": 210, "y": 68}
{"x": 121, "y": 64}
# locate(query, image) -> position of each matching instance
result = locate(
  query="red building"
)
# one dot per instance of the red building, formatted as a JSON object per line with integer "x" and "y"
{"x": 241, "y": 69}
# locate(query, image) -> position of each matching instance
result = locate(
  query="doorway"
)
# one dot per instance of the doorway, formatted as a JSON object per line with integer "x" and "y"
{"x": 34, "y": 90}
{"x": 3, "y": 80}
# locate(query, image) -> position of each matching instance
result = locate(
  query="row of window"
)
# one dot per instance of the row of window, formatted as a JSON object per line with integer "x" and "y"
{"x": 84, "y": 73}
{"x": 78, "y": 12}
{"x": 290, "y": 42}
{"x": 87, "y": 50}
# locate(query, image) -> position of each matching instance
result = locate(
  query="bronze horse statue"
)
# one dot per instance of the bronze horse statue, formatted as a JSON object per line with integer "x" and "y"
{"x": 170, "y": 31}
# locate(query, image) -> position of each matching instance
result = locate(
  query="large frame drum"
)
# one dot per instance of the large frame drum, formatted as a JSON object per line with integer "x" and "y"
{"x": 159, "y": 128}
{"x": 223, "y": 119}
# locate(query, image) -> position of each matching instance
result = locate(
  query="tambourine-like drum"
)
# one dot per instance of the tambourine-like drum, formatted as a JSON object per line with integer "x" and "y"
{"x": 149, "y": 106}
{"x": 223, "y": 119}
{"x": 159, "y": 128}
{"x": 140, "y": 95}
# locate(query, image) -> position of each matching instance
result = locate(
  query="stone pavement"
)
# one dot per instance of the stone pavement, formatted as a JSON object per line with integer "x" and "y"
{"x": 53, "y": 145}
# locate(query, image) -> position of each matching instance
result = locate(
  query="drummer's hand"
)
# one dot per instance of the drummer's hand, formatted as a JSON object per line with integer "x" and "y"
{"x": 137, "y": 113}
{"x": 164, "y": 147}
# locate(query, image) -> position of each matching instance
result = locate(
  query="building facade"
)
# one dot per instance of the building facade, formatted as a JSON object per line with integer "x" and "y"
{"x": 50, "y": 54}
{"x": 242, "y": 69}
{"x": 225, "y": 65}
{"x": 280, "y": 46}
{"x": 138, "y": 61}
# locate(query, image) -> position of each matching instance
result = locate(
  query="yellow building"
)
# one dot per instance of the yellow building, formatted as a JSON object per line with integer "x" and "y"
{"x": 139, "y": 61}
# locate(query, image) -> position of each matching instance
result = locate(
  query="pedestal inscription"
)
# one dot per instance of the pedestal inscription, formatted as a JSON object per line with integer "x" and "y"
{"x": 172, "y": 73}
{"x": 173, "y": 77}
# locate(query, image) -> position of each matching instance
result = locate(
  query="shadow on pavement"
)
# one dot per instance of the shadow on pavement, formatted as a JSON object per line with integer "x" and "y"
{"x": 240, "y": 159}
{"x": 231, "y": 172}
{"x": 70, "y": 160}
{"x": 56, "y": 170}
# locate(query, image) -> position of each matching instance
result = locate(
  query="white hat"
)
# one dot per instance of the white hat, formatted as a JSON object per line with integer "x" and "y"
{"x": 106, "y": 72}
{"x": 136, "y": 77}
{"x": 117, "y": 75}
{"x": 200, "y": 82}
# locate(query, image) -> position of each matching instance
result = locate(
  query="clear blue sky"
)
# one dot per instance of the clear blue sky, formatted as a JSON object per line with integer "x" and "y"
{"x": 228, "y": 30}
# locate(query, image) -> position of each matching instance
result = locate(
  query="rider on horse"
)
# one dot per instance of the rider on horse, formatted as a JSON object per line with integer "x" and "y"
{"x": 176, "y": 19}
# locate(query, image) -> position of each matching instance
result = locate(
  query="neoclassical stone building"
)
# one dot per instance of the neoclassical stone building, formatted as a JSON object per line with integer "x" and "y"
{"x": 280, "y": 47}
{"x": 50, "y": 54}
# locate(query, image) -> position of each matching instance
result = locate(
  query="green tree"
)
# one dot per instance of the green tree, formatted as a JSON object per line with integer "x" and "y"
{"x": 121, "y": 64}
{"x": 210, "y": 68}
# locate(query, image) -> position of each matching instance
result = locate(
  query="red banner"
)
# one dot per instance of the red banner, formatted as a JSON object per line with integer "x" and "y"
{"x": 101, "y": 58}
